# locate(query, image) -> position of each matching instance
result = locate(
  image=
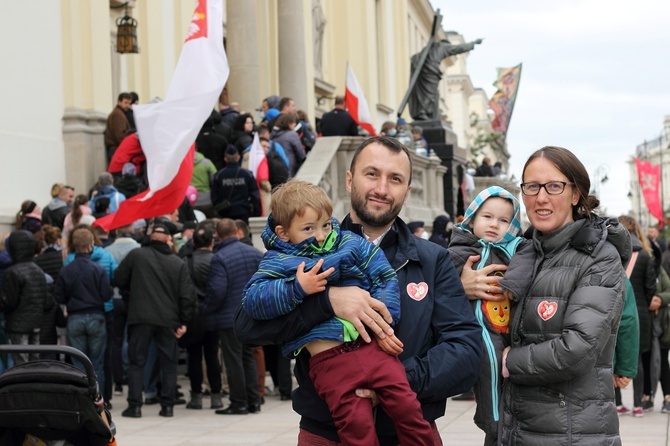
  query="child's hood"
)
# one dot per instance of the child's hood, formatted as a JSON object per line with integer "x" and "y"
{"x": 494, "y": 191}
{"x": 307, "y": 247}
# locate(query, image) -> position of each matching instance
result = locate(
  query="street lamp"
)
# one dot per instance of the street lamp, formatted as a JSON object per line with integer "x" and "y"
{"x": 599, "y": 177}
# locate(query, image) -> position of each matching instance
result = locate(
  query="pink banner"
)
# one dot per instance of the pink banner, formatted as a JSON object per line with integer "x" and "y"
{"x": 649, "y": 177}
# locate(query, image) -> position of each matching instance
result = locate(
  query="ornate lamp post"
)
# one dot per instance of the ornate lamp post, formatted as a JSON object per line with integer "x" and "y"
{"x": 126, "y": 35}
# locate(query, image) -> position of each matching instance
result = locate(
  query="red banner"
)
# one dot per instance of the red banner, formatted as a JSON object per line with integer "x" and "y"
{"x": 649, "y": 177}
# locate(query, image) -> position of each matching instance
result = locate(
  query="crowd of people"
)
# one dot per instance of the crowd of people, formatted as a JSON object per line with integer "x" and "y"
{"x": 530, "y": 320}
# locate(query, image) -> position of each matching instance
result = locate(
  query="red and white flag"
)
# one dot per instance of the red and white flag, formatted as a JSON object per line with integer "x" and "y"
{"x": 167, "y": 130}
{"x": 356, "y": 103}
{"x": 258, "y": 164}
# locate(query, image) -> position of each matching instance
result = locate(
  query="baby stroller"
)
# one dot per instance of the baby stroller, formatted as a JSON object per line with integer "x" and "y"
{"x": 52, "y": 401}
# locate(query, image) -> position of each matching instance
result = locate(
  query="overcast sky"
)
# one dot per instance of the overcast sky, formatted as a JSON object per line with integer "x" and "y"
{"x": 595, "y": 79}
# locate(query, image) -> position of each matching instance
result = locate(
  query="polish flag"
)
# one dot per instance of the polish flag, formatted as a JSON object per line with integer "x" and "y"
{"x": 167, "y": 130}
{"x": 356, "y": 103}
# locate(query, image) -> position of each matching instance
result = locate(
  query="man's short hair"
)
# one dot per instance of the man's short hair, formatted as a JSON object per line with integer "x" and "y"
{"x": 390, "y": 143}
{"x": 226, "y": 228}
{"x": 202, "y": 237}
{"x": 105, "y": 179}
{"x": 294, "y": 197}
{"x": 123, "y": 96}
{"x": 134, "y": 97}
{"x": 242, "y": 226}
{"x": 284, "y": 102}
{"x": 82, "y": 240}
{"x": 339, "y": 100}
{"x": 64, "y": 189}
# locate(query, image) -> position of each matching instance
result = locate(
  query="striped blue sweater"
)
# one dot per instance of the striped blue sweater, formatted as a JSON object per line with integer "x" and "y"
{"x": 274, "y": 291}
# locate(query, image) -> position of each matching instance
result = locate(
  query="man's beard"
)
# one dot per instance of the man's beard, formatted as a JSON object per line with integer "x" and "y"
{"x": 375, "y": 219}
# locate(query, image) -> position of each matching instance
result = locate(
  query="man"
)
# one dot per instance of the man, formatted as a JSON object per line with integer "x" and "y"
{"x": 338, "y": 122}
{"x": 161, "y": 301}
{"x": 228, "y": 113}
{"x": 54, "y": 213}
{"x": 442, "y": 360}
{"x": 117, "y": 124}
{"x": 655, "y": 237}
{"x": 232, "y": 266}
{"x": 106, "y": 189}
{"x": 286, "y": 105}
{"x": 134, "y": 100}
{"x": 234, "y": 190}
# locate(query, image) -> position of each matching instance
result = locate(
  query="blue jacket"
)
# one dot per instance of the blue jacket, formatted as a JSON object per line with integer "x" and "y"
{"x": 274, "y": 291}
{"x": 232, "y": 266}
{"x": 115, "y": 198}
{"x": 83, "y": 286}
{"x": 442, "y": 340}
{"x": 105, "y": 259}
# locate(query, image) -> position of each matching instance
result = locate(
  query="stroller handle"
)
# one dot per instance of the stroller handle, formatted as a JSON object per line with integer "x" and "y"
{"x": 66, "y": 350}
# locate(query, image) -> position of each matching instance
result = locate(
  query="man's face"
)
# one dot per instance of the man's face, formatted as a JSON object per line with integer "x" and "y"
{"x": 290, "y": 107}
{"x": 266, "y": 146}
{"x": 652, "y": 233}
{"x": 378, "y": 185}
{"x": 67, "y": 195}
{"x": 124, "y": 104}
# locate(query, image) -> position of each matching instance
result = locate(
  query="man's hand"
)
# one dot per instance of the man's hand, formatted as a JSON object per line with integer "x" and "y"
{"x": 655, "y": 303}
{"x": 391, "y": 345}
{"x": 180, "y": 331}
{"x": 478, "y": 284}
{"x": 368, "y": 393}
{"x": 356, "y": 306}
{"x": 313, "y": 282}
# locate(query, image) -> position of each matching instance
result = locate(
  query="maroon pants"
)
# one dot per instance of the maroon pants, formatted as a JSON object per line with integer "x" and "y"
{"x": 339, "y": 371}
{"x": 306, "y": 438}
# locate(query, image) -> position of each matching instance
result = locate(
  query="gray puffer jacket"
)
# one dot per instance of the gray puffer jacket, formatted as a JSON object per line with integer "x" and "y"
{"x": 560, "y": 388}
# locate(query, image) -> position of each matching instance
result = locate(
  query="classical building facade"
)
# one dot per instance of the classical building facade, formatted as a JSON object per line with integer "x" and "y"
{"x": 64, "y": 73}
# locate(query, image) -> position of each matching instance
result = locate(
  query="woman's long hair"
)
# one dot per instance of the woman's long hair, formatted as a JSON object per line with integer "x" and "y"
{"x": 635, "y": 229}
{"x": 77, "y": 213}
{"x": 26, "y": 208}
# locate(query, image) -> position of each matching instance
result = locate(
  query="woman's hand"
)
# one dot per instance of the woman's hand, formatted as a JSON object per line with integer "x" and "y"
{"x": 478, "y": 284}
{"x": 655, "y": 303}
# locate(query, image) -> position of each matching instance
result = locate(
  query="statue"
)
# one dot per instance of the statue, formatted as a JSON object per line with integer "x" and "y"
{"x": 319, "y": 24}
{"x": 423, "y": 97}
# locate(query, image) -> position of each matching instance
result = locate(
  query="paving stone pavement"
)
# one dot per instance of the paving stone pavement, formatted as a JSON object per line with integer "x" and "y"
{"x": 277, "y": 425}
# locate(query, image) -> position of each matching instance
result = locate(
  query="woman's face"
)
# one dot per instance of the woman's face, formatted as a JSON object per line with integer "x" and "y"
{"x": 548, "y": 213}
{"x": 249, "y": 125}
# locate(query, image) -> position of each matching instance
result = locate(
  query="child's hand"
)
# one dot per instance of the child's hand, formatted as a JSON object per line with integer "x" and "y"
{"x": 313, "y": 282}
{"x": 391, "y": 345}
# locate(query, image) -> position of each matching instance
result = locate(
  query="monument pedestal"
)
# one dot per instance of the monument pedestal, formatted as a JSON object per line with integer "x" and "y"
{"x": 443, "y": 141}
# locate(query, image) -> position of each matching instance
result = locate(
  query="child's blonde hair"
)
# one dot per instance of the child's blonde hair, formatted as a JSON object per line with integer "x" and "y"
{"x": 82, "y": 240}
{"x": 294, "y": 197}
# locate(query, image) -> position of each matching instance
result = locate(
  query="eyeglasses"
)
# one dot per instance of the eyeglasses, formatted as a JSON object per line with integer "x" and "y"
{"x": 552, "y": 187}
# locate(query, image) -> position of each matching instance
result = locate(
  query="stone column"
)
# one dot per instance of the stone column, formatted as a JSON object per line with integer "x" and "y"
{"x": 296, "y": 60}
{"x": 242, "y": 52}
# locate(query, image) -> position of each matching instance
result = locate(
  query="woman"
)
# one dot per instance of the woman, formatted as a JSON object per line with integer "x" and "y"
{"x": 559, "y": 387}
{"x": 80, "y": 214}
{"x": 29, "y": 217}
{"x": 643, "y": 279}
{"x": 283, "y": 134}
{"x": 243, "y": 132}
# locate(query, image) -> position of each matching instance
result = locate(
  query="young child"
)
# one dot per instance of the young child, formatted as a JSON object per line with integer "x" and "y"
{"x": 306, "y": 252}
{"x": 489, "y": 229}
{"x": 83, "y": 287}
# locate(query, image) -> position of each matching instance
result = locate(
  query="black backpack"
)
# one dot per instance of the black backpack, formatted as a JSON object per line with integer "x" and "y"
{"x": 277, "y": 167}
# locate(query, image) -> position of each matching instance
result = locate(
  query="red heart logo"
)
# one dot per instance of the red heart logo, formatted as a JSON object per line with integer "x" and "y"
{"x": 547, "y": 310}
{"x": 417, "y": 291}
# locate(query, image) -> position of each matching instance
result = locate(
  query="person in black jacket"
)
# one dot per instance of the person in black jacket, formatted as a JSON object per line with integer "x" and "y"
{"x": 24, "y": 294}
{"x": 83, "y": 286}
{"x": 338, "y": 121}
{"x": 442, "y": 340}
{"x": 160, "y": 302}
{"x": 234, "y": 190}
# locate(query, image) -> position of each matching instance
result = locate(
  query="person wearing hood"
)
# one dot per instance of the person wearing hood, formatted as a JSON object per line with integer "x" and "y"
{"x": 24, "y": 294}
{"x": 442, "y": 227}
{"x": 212, "y": 144}
{"x": 54, "y": 213}
{"x": 558, "y": 369}
{"x": 490, "y": 230}
{"x": 106, "y": 189}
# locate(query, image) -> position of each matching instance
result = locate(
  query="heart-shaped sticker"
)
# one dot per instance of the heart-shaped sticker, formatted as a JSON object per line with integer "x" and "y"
{"x": 417, "y": 291}
{"x": 547, "y": 310}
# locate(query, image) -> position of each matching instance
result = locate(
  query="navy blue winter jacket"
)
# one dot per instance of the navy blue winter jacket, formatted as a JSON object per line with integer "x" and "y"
{"x": 83, "y": 286}
{"x": 232, "y": 266}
